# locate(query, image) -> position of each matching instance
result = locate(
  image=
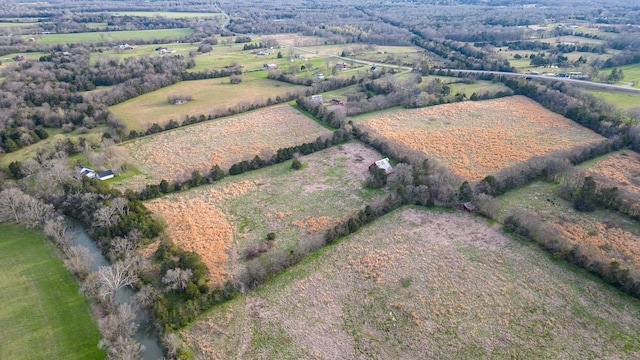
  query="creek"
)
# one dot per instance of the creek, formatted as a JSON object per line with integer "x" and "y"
{"x": 144, "y": 335}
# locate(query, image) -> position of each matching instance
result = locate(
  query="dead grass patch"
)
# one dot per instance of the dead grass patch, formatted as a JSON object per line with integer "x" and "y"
{"x": 195, "y": 225}
{"x": 621, "y": 169}
{"x": 418, "y": 284}
{"x": 174, "y": 154}
{"x": 478, "y": 138}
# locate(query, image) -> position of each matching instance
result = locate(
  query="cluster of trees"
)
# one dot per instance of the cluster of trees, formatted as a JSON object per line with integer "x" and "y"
{"x": 529, "y": 225}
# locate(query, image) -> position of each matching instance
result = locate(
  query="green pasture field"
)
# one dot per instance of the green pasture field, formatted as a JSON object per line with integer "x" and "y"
{"x": 180, "y": 49}
{"x": 15, "y": 24}
{"x": 631, "y": 74}
{"x": 55, "y": 135}
{"x": 418, "y": 284}
{"x": 98, "y": 36}
{"x": 169, "y": 14}
{"x": 468, "y": 89}
{"x": 208, "y": 94}
{"x": 622, "y": 99}
{"x": 7, "y": 59}
{"x": 42, "y": 314}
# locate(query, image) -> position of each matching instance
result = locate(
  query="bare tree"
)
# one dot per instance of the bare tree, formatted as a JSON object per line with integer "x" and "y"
{"x": 57, "y": 230}
{"x": 30, "y": 167}
{"x": 117, "y": 330}
{"x": 11, "y": 204}
{"x": 105, "y": 216}
{"x": 121, "y": 205}
{"x": 78, "y": 260}
{"x": 112, "y": 278}
{"x": 172, "y": 343}
{"x": 177, "y": 279}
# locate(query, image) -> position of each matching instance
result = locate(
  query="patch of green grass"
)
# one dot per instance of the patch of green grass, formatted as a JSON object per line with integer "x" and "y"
{"x": 180, "y": 49}
{"x": 631, "y": 74}
{"x": 55, "y": 136}
{"x": 622, "y": 99}
{"x": 207, "y": 95}
{"x": 42, "y": 314}
{"x": 93, "y": 37}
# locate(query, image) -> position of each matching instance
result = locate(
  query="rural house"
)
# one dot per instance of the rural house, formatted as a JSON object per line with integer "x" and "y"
{"x": 92, "y": 174}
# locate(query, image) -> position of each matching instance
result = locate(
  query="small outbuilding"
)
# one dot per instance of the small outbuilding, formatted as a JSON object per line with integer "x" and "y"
{"x": 384, "y": 165}
{"x": 468, "y": 207}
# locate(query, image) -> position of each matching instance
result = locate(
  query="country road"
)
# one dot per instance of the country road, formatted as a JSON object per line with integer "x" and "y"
{"x": 542, "y": 77}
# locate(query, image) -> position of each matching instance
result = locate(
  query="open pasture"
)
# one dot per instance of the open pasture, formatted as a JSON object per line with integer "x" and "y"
{"x": 601, "y": 233}
{"x": 419, "y": 284}
{"x": 180, "y": 49}
{"x": 219, "y": 221}
{"x": 475, "y": 139}
{"x": 621, "y": 169}
{"x": 631, "y": 75}
{"x": 176, "y": 153}
{"x": 207, "y": 96}
{"x": 42, "y": 314}
{"x": 100, "y": 36}
{"x": 622, "y": 99}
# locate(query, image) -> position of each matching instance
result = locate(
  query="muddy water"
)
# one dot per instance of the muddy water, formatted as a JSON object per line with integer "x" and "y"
{"x": 144, "y": 335}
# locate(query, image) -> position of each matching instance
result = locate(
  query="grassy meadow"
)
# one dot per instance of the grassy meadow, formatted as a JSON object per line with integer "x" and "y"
{"x": 209, "y": 94}
{"x": 42, "y": 315}
{"x": 298, "y": 206}
{"x": 99, "y": 36}
{"x": 622, "y": 99}
{"x": 631, "y": 74}
{"x": 420, "y": 284}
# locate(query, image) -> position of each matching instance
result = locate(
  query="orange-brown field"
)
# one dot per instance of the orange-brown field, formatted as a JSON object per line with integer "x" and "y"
{"x": 221, "y": 220}
{"x": 175, "y": 154}
{"x": 197, "y": 224}
{"x": 621, "y": 169}
{"x": 476, "y": 139}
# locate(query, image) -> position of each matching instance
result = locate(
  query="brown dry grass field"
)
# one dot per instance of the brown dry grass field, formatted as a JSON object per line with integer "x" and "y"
{"x": 175, "y": 154}
{"x": 622, "y": 169}
{"x": 475, "y": 139}
{"x": 420, "y": 284}
{"x": 219, "y": 221}
{"x": 602, "y": 233}
{"x": 209, "y": 94}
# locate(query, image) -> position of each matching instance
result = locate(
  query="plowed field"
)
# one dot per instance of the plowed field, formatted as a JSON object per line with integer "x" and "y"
{"x": 478, "y": 138}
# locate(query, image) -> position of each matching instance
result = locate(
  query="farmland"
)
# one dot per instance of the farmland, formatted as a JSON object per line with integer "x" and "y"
{"x": 621, "y": 99}
{"x": 175, "y": 154}
{"x": 99, "y": 36}
{"x": 475, "y": 139}
{"x": 422, "y": 284}
{"x": 42, "y": 315}
{"x": 298, "y": 206}
{"x": 603, "y": 233}
{"x": 622, "y": 169}
{"x": 207, "y": 95}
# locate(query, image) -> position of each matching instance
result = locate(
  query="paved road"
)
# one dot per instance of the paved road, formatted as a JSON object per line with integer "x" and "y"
{"x": 582, "y": 83}
{"x": 572, "y": 81}
{"x": 227, "y": 18}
